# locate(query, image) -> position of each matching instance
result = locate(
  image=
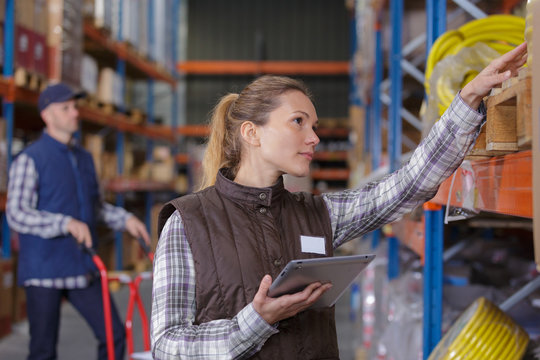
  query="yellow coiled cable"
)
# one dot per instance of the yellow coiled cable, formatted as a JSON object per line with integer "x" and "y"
{"x": 500, "y": 32}
{"x": 485, "y": 332}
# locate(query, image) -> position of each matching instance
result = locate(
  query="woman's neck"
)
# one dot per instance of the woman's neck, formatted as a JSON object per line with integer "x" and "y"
{"x": 249, "y": 176}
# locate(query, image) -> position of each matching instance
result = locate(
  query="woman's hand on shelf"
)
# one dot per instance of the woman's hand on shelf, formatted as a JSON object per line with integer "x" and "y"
{"x": 494, "y": 74}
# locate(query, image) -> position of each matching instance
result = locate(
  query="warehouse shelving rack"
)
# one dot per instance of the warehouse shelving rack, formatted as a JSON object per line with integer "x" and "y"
{"x": 127, "y": 61}
{"x": 509, "y": 192}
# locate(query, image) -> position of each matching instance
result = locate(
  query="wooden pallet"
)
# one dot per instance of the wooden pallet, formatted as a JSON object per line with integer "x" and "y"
{"x": 509, "y": 115}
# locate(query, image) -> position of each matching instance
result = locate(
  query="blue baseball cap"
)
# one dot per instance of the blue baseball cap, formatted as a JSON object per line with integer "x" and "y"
{"x": 57, "y": 93}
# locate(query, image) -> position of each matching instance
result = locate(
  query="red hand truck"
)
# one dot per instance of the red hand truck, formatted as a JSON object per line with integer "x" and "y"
{"x": 134, "y": 298}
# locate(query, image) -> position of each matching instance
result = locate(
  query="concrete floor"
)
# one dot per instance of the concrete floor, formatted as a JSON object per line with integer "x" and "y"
{"x": 76, "y": 340}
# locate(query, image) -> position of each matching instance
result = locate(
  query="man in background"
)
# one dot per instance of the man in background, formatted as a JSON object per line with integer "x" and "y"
{"x": 54, "y": 204}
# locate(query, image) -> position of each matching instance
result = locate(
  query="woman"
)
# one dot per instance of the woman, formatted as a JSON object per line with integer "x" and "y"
{"x": 216, "y": 245}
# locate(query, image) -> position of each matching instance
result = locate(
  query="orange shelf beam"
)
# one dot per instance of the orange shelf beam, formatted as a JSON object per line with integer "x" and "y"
{"x": 330, "y": 174}
{"x": 124, "y": 185}
{"x": 501, "y": 184}
{"x": 330, "y": 156}
{"x": 194, "y": 130}
{"x": 121, "y": 122}
{"x": 233, "y": 67}
{"x": 124, "y": 52}
{"x": 182, "y": 159}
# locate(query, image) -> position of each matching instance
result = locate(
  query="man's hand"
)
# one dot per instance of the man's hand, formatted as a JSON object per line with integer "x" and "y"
{"x": 137, "y": 229}
{"x": 495, "y": 73}
{"x": 273, "y": 310}
{"x": 80, "y": 232}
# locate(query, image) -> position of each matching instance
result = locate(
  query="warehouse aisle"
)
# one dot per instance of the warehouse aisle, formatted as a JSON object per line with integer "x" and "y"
{"x": 77, "y": 341}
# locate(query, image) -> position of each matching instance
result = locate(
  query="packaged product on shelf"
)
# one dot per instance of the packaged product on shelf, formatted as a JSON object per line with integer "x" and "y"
{"x": 65, "y": 41}
{"x": 94, "y": 144}
{"x": 89, "y": 75}
{"x": 163, "y": 165}
{"x": 143, "y": 27}
{"x": 109, "y": 90}
{"x": 24, "y": 23}
{"x": 39, "y": 41}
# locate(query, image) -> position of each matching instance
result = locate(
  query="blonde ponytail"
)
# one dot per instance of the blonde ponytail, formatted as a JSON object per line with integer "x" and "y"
{"x": 215, "y": 157}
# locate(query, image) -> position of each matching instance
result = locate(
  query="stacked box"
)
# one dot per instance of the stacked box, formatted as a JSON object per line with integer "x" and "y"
{"x": 65, "y": 40}
{"x": 39, "y": 38}
{"x": 24, "y": 23}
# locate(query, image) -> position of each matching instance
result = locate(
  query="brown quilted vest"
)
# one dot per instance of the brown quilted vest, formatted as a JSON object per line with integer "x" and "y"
{"x": 237, "y": 234}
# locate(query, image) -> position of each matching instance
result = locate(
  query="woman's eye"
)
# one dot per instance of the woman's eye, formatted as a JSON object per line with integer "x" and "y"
{"x": 298, "y": 120}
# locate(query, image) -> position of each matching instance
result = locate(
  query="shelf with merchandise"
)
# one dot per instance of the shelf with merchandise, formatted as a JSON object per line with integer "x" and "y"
{"x": 501, "y": 184}
{"x": 98, "y": 42}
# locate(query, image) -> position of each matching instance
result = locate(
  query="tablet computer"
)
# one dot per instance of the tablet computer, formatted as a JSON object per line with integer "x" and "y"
{"x": 338, "y": 270}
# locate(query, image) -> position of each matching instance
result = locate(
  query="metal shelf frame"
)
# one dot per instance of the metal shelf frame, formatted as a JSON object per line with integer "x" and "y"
{"x": 10, "y": 93}
{"x": 436, "y": 16}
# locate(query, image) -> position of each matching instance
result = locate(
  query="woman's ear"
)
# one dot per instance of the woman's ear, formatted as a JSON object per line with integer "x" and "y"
{"x": 250, "y": 133}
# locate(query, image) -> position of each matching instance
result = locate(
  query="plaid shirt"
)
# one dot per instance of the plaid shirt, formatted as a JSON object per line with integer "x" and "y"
{"x": 24, "y": 218}
{"x": 352, "y": 213}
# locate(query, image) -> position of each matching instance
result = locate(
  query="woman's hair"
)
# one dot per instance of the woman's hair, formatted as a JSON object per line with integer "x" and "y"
{"x": 254, "y": 104}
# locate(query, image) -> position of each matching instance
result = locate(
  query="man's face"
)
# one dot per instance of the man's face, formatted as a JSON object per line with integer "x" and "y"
{"x": 61, "y": 117}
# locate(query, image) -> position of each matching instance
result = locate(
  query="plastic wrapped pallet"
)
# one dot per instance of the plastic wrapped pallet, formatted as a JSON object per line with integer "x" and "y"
{"x": 89, "y": 75}
{"x": 160, "y": 16}
{"x": 143, "y": 27}
{"x": 65, "y": 40}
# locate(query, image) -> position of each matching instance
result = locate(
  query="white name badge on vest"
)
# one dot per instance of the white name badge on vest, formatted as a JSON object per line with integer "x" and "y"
{"x": 313, "y": 244}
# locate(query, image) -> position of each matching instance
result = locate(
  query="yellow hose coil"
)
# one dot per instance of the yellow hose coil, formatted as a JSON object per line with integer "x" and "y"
{"x": 484, "y": 332}
{"x": 500, "y": 32}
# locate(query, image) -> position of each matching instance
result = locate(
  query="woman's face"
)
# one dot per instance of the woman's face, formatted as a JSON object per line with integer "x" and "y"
{"x": 288, "y": 139}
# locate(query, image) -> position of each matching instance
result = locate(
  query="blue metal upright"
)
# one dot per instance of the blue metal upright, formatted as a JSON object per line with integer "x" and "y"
{"x": 120, "y": 140}
{"x": 149, "y": 196}
{"x": 433, "y": 274}
{"x": 394, "y": 131}
{"x": 375, "y": 113}
{"x": 8, "y": 106}
{"x": 434, "y": 240}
